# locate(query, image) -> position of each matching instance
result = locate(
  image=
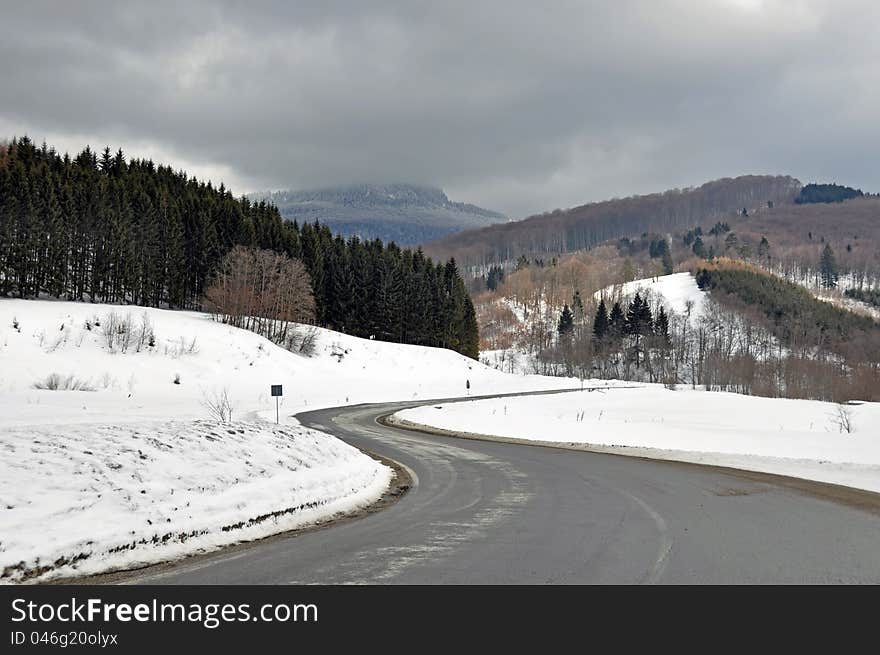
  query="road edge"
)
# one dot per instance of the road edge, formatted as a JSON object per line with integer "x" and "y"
{"x": 401, "y": 483}
{"x": 863, "y": 499}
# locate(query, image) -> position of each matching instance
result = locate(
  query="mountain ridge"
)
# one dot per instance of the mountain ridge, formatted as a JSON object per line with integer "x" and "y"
{"x": 584, "y": 226}
{"x": 405, "y": 213}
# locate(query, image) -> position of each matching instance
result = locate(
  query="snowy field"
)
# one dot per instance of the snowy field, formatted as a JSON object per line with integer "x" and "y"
{"x": 801, "y": 438}
{"x": 131, "y": 467}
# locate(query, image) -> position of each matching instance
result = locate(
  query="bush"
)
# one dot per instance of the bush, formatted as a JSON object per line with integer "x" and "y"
{"x": 219, "y": 405}
{"x": 56, "y": 382}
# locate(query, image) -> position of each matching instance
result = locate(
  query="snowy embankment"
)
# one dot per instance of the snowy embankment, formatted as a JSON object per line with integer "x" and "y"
{"x": 91, "y": 498}
{"x": 800, "y": 438}
{"x": 132, "y": 468}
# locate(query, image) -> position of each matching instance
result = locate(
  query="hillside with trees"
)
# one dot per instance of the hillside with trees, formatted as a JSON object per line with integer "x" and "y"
{"x": 101, "y": 228}
{"x": 790, "y": 240}
{"x": 791, "y": 312}
{"x": 565, "y": 231}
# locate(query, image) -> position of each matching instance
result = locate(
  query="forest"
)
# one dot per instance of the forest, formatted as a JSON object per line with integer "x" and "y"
{"x": 102, "y": 228}
{"x": 826, "y": 193}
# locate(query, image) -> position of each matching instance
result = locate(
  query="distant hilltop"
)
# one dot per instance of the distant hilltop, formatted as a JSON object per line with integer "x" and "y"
{"x": 404, "y": 213}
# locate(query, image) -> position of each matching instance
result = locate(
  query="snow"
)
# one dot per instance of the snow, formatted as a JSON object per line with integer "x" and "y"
{"x": 125, "y": 496}
{"x": 72, "y": 470}
{"x": 677, "y": 293}
{"x": 800, "y": 438}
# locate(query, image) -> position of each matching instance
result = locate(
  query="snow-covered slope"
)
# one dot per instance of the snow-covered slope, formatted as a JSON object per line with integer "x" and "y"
{"x": 52, "y": 337}
{"x": 803, "y": 438}
{"x": 678, "y": 293}
{"x": 129, "y": 458}
{"x": 88, "y": 498}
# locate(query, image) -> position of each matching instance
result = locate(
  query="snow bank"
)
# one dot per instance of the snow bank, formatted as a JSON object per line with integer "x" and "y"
{"x": 92, "y": 498}
{"x": 802, "y": 438}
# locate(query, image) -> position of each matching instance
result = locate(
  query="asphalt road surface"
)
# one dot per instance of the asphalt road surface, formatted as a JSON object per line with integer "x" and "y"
{"x": 498, "y": 513}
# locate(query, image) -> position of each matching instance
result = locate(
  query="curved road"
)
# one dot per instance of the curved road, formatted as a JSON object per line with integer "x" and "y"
{"x": 489, "y": 512}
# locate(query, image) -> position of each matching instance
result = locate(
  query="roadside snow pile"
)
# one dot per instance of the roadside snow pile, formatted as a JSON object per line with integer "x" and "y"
{"x": 93, "y": 475}
{"x": 677, "y": 292}
{"x": 802, "y": 438}
{"x": 101, "y": 497}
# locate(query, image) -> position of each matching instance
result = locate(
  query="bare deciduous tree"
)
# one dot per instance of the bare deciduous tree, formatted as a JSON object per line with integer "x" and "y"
{"x": 262, "y": 291}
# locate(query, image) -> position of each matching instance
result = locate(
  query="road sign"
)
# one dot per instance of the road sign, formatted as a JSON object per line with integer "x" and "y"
{"x": 276, "y": 392}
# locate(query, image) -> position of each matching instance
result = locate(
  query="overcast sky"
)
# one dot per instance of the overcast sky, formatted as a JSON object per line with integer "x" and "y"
{"x": 517, "y": 106}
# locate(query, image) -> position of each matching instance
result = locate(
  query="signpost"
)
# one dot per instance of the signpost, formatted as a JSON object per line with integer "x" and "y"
{"x": 276, "y": 391}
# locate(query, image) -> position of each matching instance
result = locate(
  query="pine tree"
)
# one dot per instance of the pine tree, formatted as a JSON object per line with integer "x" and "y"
{"x": 668, "y": 266}
{"x": 470, "y": 340}
{"x": 698, "y": 247}
{"x": 616, "y": 321}
{"x": 566, "y": 322}
{"x": 600, "y": 322}
{"x": 639, "y": 324}
{"x": 828, "y": 267}
{"x": 661, "y": 328}
{"x": 494, "y": 278}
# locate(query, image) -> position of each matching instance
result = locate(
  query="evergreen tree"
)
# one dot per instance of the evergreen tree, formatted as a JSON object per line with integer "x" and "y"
{"x": 616, "y": 321}
{"x": 566, "y": 322}
{"x": 494, "y": 278}
{"x": 661, "y": 328}
{"x": 698, "y": 247}
{"x": 668, "y": 266}
{"x": 828, "y": 267}
{"x": 639, "y": 324}
{"x": 764, "y": 248}
{"x": 600, "y": 322}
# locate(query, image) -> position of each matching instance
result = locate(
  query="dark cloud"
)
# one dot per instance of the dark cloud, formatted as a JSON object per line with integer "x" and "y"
{"x": 518, "y": 106}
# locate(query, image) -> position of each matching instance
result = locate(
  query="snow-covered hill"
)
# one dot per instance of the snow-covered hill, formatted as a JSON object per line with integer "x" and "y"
{"x": 123, "y": 463}
{"x": 206, "y": 357}
{"x": 677, "y": 293}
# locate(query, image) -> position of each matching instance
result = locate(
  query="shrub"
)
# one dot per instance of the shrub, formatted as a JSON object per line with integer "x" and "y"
{"x": 57, "y": 382}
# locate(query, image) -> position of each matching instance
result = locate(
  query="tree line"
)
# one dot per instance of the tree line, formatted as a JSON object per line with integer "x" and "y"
{"x": 101, "y": 228}
{"x": 826, "y": 193}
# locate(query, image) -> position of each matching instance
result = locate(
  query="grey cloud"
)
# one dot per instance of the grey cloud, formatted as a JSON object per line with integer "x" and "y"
{"x": 517, "y": 106}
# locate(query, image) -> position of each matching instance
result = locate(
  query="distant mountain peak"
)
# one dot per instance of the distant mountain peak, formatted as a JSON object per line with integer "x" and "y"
{"x": 406, "y": 213}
